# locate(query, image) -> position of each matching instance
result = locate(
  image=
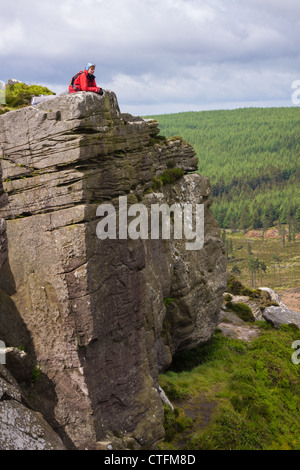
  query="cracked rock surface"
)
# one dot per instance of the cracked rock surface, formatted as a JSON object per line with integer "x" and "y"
{"x": 22, "y": 428}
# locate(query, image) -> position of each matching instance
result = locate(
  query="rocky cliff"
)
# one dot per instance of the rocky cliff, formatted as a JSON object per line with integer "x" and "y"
{"x": 99, "y": 319}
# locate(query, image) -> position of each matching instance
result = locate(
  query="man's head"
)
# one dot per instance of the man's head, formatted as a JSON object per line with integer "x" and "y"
{"x": 90, "y": 68}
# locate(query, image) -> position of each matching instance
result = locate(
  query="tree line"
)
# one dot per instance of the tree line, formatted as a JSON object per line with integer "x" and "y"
{"x": 251, "y": 156}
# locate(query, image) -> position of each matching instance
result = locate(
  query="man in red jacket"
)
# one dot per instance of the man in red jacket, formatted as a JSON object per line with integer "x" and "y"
{"x": 85, "y": 81}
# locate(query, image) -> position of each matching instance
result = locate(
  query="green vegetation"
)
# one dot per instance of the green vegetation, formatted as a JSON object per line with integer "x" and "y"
{"x": 262, "y": 261}
{"x": 233, "y": 395}
{"x": 169, "y": 176}
{"x": 242, "y": 310}
{"x": 20, "y": 94}
{"x": 35, "y": 374}
{"x": 168, "y": 301}
{"x": 175, "y": 422}
{"x": 261, "y": 298}
{"x": 251, "y": 157}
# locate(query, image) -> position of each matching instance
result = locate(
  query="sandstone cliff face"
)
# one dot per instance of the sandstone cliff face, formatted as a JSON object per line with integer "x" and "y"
{"x": 100, "y": 318}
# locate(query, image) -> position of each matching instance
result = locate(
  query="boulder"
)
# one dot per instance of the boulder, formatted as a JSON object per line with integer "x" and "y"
{"x": 21, "y": 428}
{"x": 243, "y": 299}
{"x": 281, "y": 315}
{"x": 274, "y": 296}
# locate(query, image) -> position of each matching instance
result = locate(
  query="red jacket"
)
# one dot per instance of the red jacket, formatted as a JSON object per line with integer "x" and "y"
{"x": 84, "y": 82}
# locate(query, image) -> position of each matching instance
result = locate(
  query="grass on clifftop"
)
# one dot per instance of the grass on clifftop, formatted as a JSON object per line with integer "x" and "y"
{"x": 233, "y": 395}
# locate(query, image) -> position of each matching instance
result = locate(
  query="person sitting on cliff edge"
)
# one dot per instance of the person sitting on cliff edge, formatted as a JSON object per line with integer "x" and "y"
{"x": 85, "y": 81}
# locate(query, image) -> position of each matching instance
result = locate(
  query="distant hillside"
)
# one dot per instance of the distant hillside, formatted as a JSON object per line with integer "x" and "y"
{"x": 251, "y": 156}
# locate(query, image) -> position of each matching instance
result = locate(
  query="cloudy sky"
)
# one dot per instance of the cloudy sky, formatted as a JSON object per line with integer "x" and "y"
{"x": 159, "y": 56}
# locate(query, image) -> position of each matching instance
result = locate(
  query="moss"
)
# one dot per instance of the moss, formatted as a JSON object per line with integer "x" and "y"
{"x": 35, "y": 374}
{"x": 178, "y": 137}
{"x": 235, "y": 287}
{"x": 171, "y": 175}
{"x": 171, "y": 164}
{"x": 228, "y": 297}
{"x": 174, "y": 392}
{"x": 175, "y": 422}
{"x": 262, "y": 298}
{"x": 158, "y": 139}
{"x": 168, "y": 301}
{"x": 156, "y": 184}
{"x": 243, "y": 311}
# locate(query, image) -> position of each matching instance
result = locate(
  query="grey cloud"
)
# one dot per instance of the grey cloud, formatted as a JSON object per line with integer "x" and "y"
{"x": 157, "y": 51}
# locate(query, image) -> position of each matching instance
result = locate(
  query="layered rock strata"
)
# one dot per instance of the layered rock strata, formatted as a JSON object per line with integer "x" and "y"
{"x": 100, "y": 318}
